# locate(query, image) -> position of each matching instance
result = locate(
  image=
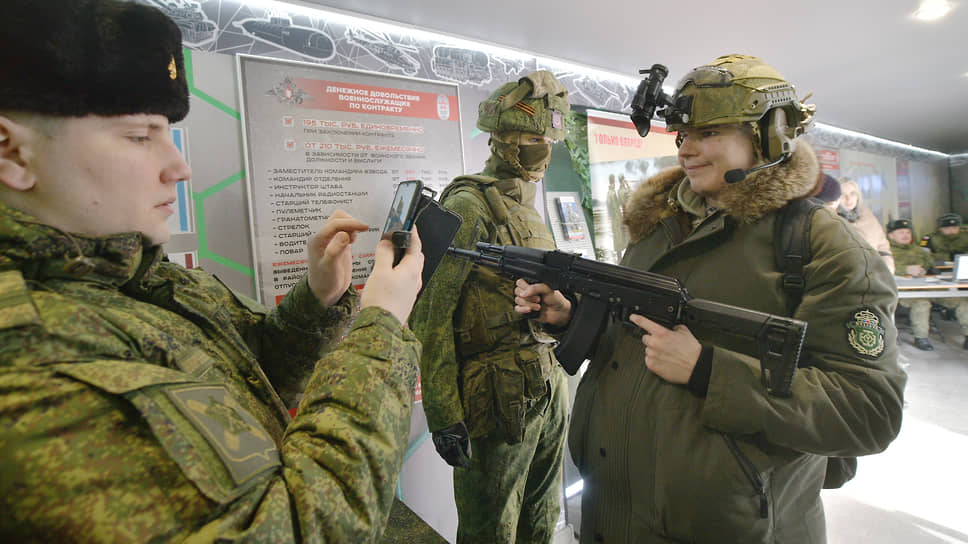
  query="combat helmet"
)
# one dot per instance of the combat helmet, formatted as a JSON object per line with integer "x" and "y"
{"x": 742, "y": 89}
{"x": 536, "y": 103}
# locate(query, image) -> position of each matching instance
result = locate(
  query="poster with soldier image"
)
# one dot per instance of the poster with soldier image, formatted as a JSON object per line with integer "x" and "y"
{"x": 619, "y": 161}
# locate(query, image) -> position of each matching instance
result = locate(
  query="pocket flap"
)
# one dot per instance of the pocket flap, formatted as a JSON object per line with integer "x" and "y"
{"x": 120, "y": 377}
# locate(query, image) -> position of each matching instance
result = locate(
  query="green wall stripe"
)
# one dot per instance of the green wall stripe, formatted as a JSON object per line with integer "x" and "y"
{"x": 190, "y": 77}
{"x": 221, "y": 185}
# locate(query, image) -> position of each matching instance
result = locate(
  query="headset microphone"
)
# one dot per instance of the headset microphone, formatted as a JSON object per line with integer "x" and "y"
{"x": 738, "y": 174}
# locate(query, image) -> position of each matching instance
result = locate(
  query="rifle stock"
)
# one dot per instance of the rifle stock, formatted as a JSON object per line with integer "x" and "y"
{"x": 604, "y": 288}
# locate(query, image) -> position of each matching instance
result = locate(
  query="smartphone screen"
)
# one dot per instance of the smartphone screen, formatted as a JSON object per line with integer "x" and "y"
{"x": 403, "y": 206}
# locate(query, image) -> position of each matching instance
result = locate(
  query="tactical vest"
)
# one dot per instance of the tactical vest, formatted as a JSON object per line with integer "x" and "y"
{"x": 506, "y": 359}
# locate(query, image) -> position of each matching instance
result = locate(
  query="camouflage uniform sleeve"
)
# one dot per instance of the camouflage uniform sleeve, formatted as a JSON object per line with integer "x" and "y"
{"x": 290, "y": 338}
{"x": 433, "y": 317}
{"x": 308, "y": 329}
{"x": 343, "y": 451}
{"x": 77, "y": 458}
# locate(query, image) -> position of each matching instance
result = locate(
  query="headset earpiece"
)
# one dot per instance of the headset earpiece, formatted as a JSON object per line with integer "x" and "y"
{"x": 779, "y": 138}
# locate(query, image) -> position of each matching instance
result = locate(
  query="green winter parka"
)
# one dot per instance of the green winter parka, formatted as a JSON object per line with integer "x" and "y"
{"x": 140, "y": 401}
{"x": 662, "y": 464}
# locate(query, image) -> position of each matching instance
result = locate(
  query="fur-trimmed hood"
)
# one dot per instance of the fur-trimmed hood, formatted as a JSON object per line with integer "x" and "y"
{"x": 760, "y": 193}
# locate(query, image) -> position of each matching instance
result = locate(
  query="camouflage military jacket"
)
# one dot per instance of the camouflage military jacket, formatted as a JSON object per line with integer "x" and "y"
{"x": 140, "y": 401}
{"x": 908, "y": 254}
{"x": 467, "y": 311}
{"x": 945, "y": 247}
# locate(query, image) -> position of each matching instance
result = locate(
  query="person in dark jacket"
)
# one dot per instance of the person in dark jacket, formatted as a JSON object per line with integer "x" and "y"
{"x": 677, "y": 438}
{"x": 143, "y": 402}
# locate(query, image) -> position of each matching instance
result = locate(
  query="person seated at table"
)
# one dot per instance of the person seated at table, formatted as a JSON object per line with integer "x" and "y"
{"x": 913, "y": 261}
{"x": 949, "y": 240}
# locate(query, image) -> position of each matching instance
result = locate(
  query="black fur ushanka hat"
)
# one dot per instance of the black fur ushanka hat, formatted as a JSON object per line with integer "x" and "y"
{"x": 72, "y": 58}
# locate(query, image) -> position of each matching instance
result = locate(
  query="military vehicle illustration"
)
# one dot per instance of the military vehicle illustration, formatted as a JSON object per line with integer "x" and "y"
{"x": 594, "y": 91}
{"x": 461, "y": 65}
{"x": 378, "y": 44}
{"x": 280, "y": 31}
{"x": 512, "y": 67}
{"x": 196, "y": 28}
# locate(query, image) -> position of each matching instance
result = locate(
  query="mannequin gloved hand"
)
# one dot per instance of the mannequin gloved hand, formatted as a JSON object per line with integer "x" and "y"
{"x": 453, "y": 444}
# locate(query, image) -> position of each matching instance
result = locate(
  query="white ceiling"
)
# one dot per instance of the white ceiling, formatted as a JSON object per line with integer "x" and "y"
{"x": 871, "y": 67}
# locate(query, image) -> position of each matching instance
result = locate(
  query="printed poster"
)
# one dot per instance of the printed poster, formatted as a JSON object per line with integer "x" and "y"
{"x": 568, "y": 223}
{"x": 619, "y": 161}
{"x": 320, "y": 138}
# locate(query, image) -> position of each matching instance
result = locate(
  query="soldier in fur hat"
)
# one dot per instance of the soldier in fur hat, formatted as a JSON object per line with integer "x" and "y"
{"x": 680, "y": 441}
{"x": 494, "y": 395}
{"x": 948, "y": 240}
{"x": 140, "y": 401}
{"x": 912, "y": 260}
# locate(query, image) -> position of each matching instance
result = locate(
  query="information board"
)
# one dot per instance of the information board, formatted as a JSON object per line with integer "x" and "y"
{"x": 319, "y": 138}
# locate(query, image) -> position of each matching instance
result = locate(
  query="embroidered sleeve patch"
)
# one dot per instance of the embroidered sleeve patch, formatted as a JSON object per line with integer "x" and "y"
{"x": 237, "y": 437}
{"x": 865, "y": 334}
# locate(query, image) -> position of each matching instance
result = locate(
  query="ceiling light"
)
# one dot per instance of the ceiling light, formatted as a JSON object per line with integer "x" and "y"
{"x": 931, "y": 10}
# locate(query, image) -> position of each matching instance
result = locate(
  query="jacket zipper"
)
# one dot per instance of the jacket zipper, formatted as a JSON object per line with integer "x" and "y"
{"x": 751, "y": 473}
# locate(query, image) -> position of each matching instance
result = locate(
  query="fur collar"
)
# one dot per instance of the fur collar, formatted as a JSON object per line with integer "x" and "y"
{"x": 759, "y": 194}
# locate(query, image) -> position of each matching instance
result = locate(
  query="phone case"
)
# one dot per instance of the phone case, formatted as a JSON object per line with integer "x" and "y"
{"x": 438, "y": 228}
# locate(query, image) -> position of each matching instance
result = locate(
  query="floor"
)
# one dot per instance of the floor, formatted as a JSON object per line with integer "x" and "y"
{"x": 914, "y": 492}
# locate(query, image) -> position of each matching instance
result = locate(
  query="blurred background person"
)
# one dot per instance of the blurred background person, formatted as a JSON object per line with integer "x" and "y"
{"x": 851, "y": 208}
{"x": 912, "y": 261}
{"x": 827, "y": 191}
{"x": 949, "y": 240}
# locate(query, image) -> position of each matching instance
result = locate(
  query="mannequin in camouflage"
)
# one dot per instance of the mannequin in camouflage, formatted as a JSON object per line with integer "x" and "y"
{"x": 494, "y": 396}
{"x": 140, "y": 401}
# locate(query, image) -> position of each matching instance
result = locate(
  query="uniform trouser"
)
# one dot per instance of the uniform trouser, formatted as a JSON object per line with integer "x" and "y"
{"x": 512, "y": 493}
{"x": 920, "y": 315}
{"x": 960, "y": 306}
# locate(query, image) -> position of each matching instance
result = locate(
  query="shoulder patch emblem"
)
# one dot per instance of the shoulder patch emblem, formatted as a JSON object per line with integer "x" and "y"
{"x": 236, "y": 436}
{"x": 865, "y": 334}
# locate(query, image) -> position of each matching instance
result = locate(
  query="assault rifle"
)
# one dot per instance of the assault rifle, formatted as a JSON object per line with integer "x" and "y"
{"x": 604, "y": 288}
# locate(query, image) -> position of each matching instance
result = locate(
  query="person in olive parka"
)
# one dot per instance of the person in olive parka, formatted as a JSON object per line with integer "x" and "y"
{"x": 144, "y": 402}
{"x": 493, "y": 392}
{"x": 679, "y": 441}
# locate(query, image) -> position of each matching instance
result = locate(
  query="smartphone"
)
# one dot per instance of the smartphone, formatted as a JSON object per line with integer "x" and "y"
{"x": 401, "y": 217}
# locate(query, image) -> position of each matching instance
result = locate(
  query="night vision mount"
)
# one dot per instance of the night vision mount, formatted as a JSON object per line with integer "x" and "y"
{"x": 649, "y": 98}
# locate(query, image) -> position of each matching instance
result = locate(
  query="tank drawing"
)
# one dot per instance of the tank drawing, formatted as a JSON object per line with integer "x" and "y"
{"x": 512, "y": 67}
{"x": 280, "y": 31}
{"x": 196, "y": 28}
{"x": 395, "y": 56}
{"x": 594, "y": 91}
{"x": 461, "y": 65}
